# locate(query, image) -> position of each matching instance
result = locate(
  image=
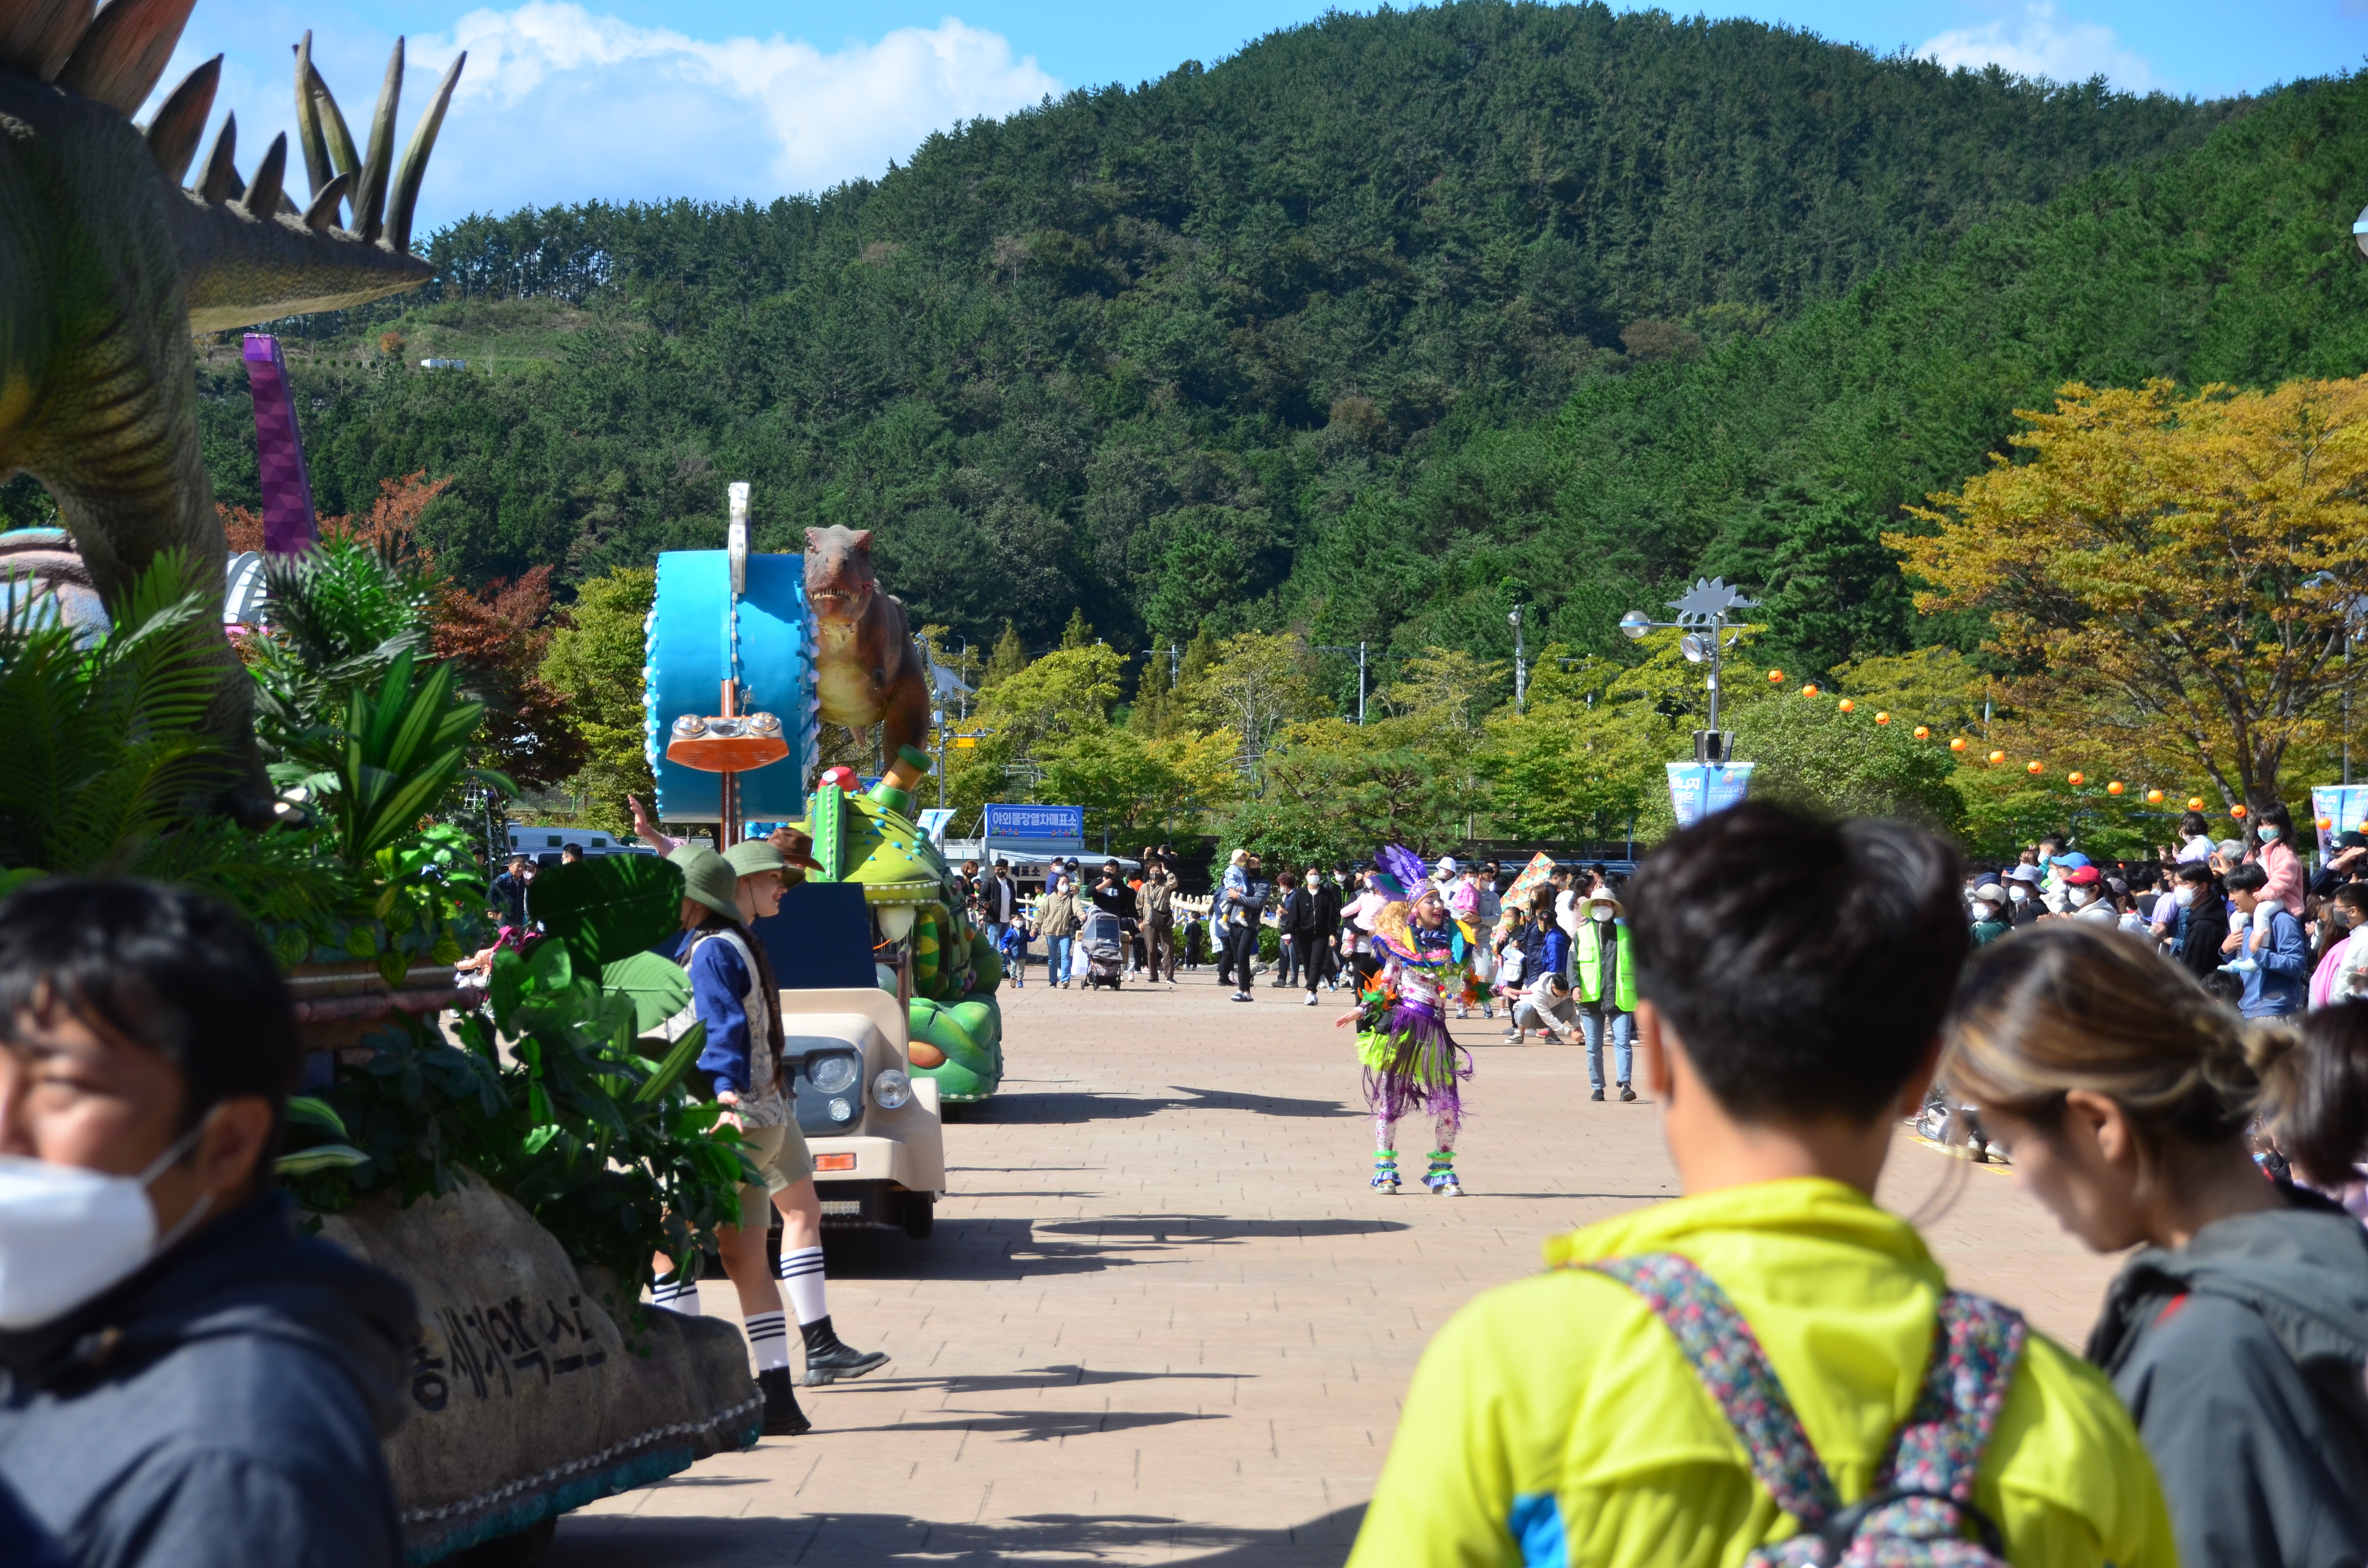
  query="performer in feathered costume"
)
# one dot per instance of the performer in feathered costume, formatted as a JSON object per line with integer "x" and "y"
{"x": 1410, "y": 1062}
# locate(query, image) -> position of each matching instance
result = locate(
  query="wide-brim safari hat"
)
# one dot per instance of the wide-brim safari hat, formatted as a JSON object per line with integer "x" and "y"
{"x": 708, "y": 879}
{"x": 753, "y": 858}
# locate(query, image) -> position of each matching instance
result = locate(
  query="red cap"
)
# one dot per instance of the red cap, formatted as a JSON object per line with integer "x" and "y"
{"x": 2083, "y": 877}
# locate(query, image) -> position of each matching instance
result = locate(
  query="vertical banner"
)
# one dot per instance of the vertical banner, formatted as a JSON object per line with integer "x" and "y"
{"x": 1728, "y": 785}
{"x": 2343, "y": 806}
{"x": 289, "y": 525}
{"x": 1696, "y": 791}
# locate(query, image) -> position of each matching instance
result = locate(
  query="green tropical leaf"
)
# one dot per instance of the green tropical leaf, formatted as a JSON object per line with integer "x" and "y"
{"x": 320, "y": 1157}
{"x": 304, "y": 1110}
{"x": 658, "y": 988}
{"x": 610, "y": 906}
{"x": 675, "y": 1063}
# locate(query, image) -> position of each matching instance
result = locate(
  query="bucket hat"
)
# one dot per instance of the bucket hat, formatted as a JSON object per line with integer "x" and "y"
{"x": 753, "y": 857}
{"x": 708, "y": 879}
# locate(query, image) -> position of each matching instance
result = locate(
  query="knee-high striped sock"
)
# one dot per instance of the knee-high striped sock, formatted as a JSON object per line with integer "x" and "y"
{"x": 678, "y": 1296}
{"x": 801, "y": 1281}
{"x": 769, "y": 1336}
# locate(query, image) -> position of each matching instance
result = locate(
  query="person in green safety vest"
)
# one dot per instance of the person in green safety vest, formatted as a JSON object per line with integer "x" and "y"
{"x": 1603, "y": 984}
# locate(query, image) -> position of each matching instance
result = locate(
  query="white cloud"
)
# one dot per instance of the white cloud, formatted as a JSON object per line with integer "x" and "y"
{"x": 557, "y": 104}
{"x": 2039, "y": 42}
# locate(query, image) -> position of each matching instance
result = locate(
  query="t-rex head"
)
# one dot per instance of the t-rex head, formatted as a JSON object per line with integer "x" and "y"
{"x": 248, "y": 253}
{"x": 840, "y": 579}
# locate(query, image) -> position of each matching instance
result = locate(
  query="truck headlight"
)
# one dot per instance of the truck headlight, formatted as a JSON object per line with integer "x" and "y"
{"x": 891, "y": 1089}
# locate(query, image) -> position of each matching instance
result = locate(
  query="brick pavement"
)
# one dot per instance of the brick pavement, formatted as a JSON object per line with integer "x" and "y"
{"x": 1163, "y": 1321}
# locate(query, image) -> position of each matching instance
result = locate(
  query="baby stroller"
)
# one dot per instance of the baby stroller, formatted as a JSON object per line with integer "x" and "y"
{"x": 1105, "y": 949}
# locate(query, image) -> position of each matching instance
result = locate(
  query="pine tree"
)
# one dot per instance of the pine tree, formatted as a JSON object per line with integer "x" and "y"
{"x": 1149, "y": 716}
{"x": 1010, "y": 657}
{"x": 1076, "y": 634}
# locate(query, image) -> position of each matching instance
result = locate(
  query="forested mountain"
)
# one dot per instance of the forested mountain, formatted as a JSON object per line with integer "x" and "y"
{"x": 1216, "y": 348}
{"x": 1778, "y": 457}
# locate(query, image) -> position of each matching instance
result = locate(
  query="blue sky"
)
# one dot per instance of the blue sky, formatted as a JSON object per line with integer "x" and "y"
{"x": 565, "y": 100}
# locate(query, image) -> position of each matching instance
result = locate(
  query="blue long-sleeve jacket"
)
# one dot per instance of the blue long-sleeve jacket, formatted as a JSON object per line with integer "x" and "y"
{"x": 2282, "y": 979}
{"x": 718, "y": 981}
{"x": 1557, "y": 956}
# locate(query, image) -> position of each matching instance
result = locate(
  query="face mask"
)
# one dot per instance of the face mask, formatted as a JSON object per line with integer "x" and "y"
{"x": 2018, "y": 893}
{"x": 2270, "y": 835}
{"x": 2184, "y": 896}
{"x": 67, "y": 1233}
{"x": 1599, "y": 912}
{"x": 2045, "y": 859}
{"x": 2080, "y": 896}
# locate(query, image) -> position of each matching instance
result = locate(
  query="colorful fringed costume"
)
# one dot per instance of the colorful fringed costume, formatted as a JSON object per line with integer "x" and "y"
{"x": 1411, "y": 1064}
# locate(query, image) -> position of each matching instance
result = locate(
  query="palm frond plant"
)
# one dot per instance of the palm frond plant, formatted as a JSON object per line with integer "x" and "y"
{"x": 106, "y": 748}
{"x": 340, "y": 615}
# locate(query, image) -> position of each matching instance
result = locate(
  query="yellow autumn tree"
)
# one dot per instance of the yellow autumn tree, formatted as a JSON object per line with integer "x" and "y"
{"x": 2171, "y": 575}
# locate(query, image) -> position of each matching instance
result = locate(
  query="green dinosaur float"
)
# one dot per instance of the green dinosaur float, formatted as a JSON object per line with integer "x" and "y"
{"x": 928, "y": 949}
{"x": 108, "y": 263}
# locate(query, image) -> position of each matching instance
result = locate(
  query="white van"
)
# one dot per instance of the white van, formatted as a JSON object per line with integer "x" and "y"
{"x": 542, "y": 845}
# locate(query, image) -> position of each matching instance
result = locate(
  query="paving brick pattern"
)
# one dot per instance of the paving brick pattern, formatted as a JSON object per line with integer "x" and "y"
{"x": 1163, "y": 1320}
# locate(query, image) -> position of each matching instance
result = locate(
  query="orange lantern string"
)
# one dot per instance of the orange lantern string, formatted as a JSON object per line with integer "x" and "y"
{"x": 2113, "y": 788}
{"x": 1847, "y": 706}
{"x": 1997, "y": 757}
{"x": 2154, "y": 797}
{"x": 1957, "y": 745}
{"x": 2195, "y": 802}
{"x": 1775, "y": 677}
{"x": 1883, "y": 718}
{"x": 2076, "y": 780}
{"x": 1923, "y": 732}
{"x": 1808, "y": 691}
{"x": 2237, "y": 811}
{"x": 2033, "y": 768}
{"x": 2326, "y": 823}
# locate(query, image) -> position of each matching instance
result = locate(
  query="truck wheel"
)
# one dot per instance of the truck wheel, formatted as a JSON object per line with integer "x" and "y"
{"x": 920, "y": 1215}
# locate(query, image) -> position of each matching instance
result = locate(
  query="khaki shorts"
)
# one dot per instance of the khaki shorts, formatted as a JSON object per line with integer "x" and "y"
{"x": 780, "y": 1157}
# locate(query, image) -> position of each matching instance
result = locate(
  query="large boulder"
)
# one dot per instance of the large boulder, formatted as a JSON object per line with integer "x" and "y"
{"x": 527, "y": 1400}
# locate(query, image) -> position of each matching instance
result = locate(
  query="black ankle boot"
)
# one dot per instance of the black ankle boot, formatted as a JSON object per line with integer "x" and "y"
{"x": 827, "y": 1361}
{"x": 783, "y": 1416}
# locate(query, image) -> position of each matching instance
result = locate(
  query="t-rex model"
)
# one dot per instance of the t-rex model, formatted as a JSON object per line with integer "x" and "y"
{"x": 107, "y": 264}
{"x": 866, "y": 669}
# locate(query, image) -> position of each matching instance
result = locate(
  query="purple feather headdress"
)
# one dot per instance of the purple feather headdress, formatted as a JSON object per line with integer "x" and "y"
{"x": 1400, "y": 871}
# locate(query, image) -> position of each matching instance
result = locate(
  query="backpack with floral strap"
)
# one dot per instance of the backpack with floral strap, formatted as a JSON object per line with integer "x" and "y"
{"x": 1921, "y": 1504}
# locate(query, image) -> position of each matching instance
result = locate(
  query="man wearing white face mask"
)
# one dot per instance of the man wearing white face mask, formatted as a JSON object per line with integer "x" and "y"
{"x": 1605, "y": 990}
{"x": 184, "y": 1379}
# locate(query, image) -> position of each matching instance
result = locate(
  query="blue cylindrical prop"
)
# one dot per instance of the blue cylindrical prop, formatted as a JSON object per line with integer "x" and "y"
{"x": 698, "y": 637}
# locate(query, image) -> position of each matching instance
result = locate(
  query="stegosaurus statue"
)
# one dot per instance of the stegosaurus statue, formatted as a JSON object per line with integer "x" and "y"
{"x": 108, "y": 264}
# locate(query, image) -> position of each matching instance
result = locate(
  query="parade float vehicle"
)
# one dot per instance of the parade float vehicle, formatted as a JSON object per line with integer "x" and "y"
{"x": 747, "y": 654}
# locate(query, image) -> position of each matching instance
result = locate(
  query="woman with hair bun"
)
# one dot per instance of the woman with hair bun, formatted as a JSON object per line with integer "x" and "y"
{"x": 2314, "y": 1100}
{"x": 2237, "y": 1334}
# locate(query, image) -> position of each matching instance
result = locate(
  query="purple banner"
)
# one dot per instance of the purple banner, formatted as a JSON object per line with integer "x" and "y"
{"x": 289, "y": 525}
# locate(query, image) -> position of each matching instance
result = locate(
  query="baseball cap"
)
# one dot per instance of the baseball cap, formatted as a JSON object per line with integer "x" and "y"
{"x": 2073, "y": 858}
{"x": 2083, "y": 877}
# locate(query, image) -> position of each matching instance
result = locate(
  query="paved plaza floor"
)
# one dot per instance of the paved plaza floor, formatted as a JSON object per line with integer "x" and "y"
{"x": 1163, "y": 1320}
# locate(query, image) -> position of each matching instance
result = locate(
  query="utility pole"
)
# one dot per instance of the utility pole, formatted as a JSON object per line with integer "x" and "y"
{"x": 1702, "y": 616}
{"x": 1359, "y": 651}
{"x": 1520, "y": 672}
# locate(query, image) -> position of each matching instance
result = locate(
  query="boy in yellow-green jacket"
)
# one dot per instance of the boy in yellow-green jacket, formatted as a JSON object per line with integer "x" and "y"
{"x": 1791, "y": 975}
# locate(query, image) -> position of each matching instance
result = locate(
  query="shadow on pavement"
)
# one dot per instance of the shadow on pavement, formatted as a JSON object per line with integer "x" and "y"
{"x": 1039, "y": 1540}
{"x": 1162, "y": 1230}
{"x": 1036, "y": 1379}
{"x": 1263, "y": 1105}
{"x": 1008, "y": 1249}
{"x": 1042, "y": 1425}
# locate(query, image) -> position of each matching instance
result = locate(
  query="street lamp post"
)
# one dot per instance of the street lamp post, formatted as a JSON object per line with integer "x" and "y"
{"x": 1702, "y": 617}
